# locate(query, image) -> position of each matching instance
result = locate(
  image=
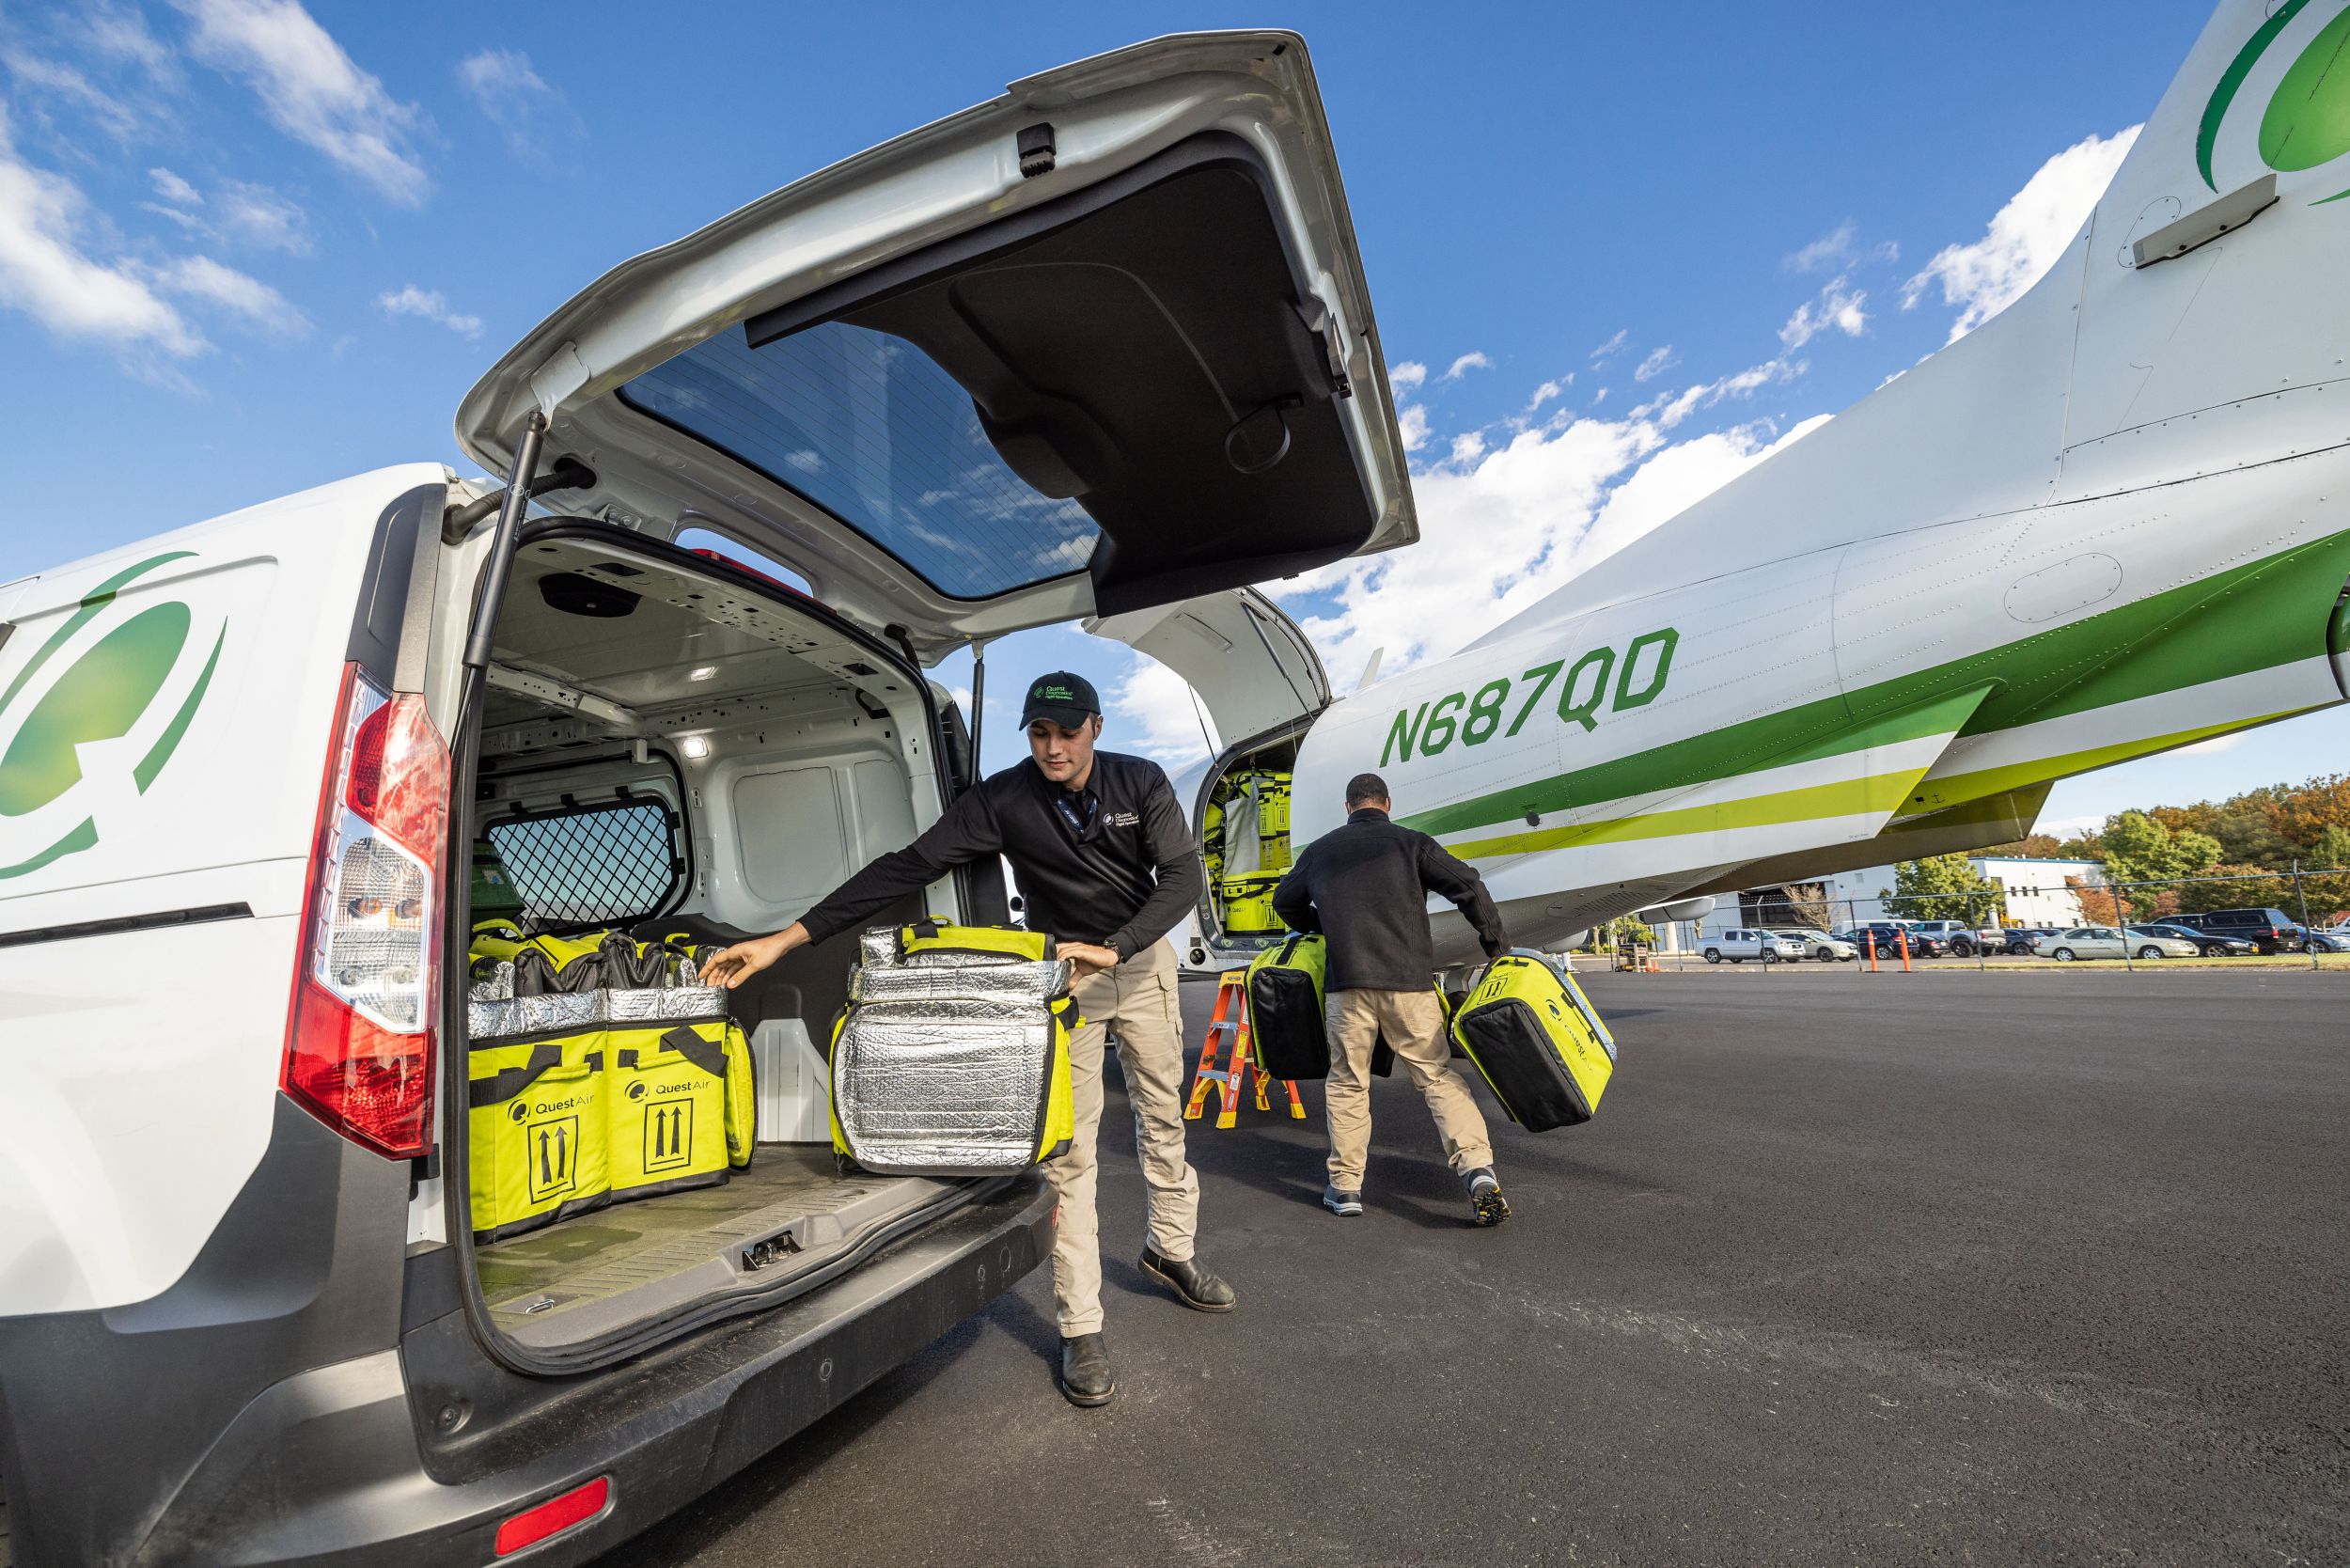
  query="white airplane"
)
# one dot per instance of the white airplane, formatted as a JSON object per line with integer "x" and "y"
{"x": 2113, "y": 520}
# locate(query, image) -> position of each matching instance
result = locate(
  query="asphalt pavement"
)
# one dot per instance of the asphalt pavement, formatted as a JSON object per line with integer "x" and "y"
{"x": 2040, "y": 1267}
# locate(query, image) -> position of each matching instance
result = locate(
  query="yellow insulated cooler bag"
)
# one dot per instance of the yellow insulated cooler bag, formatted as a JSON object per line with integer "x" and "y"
{"x": 1248, "y": 906}
{"x": 664, "y": 1097}
{"x": 535, "y": 1125}
{"x": 934, "y": 941}
{"x": 952, "y": 1055}
{"x": 1542, "y": 1051}
{"x": 1285, "y": 1018}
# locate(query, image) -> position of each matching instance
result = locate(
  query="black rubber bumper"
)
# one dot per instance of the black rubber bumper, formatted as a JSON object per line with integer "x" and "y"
{"x": 340, "y": 1465}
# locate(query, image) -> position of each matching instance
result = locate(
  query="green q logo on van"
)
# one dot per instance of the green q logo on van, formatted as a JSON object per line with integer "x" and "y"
{"x": 103, "y": 694}
{"x": 2307, "y": 122}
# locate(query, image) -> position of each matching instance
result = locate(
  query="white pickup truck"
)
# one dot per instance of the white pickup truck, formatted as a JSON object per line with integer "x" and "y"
{"x": 1736, "y": 946}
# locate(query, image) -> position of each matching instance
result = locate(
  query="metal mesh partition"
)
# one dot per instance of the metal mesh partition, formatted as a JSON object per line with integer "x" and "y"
{"x": 591, "y": 865}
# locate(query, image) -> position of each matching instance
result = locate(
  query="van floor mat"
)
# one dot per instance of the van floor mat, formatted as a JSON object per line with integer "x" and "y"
{"x": 583, "y": 1278}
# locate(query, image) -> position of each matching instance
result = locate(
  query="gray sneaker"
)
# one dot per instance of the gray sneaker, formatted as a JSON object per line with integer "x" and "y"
{"x": 1345, "y": 1204}
{"x": 1484, "y": 1194}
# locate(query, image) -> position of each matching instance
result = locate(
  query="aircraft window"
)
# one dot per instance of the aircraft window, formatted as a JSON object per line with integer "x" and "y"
{"x": 872, "y": 429}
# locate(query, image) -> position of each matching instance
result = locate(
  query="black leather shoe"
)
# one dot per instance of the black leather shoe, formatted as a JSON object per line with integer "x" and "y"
{"x": 1085, "y": 1377}
{"x": 1194, "y": 1286}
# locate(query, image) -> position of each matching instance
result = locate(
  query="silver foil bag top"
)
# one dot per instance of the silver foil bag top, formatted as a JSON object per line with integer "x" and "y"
{"x": 941, "y": 1089}
{"x": 496, "y": 986}
{"x": 565, "y": 1012}
{"x": 686, "y": 1001}
{"x": 1008, "y": 985}
{"x": 556, "y": 1013}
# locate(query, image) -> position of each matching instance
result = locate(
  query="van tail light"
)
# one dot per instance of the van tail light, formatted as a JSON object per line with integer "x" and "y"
{"x": 554, "y": 1516}
{"x": 360, "y": 1033}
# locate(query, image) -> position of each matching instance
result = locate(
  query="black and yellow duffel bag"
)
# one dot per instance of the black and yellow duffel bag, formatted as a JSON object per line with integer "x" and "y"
{"x": 1285, "y": 1008}
{"x": 1541, "y": 1049}
{"x": 535, "y": 1125}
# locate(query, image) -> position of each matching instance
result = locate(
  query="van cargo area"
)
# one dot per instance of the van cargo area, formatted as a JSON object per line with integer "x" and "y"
{"x": 678, "y": 750}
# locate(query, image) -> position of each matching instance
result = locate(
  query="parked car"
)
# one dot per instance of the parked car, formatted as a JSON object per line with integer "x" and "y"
{"x": 2108, "y": 942}
{"x": 1890, "y": 935}
{"x": 2017, "y": 941}
{"x": 1820, "y": 945}
{"x": 2335, "y": 939}
{"x": 1736, "y": 946}
{"x": 2209, "y": 944}
{"x": 1958, "y": 935}
{"x": 2270, "y": 929}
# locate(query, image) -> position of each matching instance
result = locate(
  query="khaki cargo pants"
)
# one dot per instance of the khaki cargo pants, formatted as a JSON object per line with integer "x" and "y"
{"x": 1136, "y": 1001}
{"x": 1413, "y": 1021}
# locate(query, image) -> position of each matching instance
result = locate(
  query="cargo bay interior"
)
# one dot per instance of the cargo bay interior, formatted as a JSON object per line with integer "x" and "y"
{"x": 677, "y": 752}
{"x": 1243, "y": 818}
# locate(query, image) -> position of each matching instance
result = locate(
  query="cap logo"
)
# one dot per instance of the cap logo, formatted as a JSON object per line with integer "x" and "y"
{"x": 1055, "y": 693}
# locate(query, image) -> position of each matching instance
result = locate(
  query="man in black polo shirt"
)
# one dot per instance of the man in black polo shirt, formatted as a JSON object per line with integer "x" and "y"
{"x": 1107, "y": 865}
{"x": 1364, "y": 886}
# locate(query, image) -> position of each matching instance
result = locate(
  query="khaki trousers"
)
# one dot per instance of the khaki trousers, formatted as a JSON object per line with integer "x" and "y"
{"x": 1138, "y": 997}
{"x": 1413, "y": 1021}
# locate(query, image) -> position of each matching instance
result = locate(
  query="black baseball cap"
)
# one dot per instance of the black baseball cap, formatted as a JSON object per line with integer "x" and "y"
{"x": 1065, "y": 697}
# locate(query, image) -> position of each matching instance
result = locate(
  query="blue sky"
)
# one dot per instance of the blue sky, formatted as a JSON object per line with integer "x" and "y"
{"x": 247, "y": 248}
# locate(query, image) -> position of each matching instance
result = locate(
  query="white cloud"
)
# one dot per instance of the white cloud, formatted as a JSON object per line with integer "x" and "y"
{"x": 311, "y": 89}
{"x": 1838, "y": 248}
{"x": 1473, "y": 360}
{"x": 1656, "y": 364}
{"x": 1612, "y": 346}
{"x": 259, "y": 218}
{"x": 1412, "y": 420}
{"x": 2216, "y": 744}
{"x": 173, "y": 189}
{"x": 45, "y": 272}
{"x": 1833, "y": 248}
{"x": 429, "y": 305}
{"x": 1155, "y": 713}
{"x": 534, "y": 117}
{"x": 1467, "y": 448}
{"x": 249, "y": 300}
{"x": 1838, "y": 306}
{"x": 1501, "y": 528}
{"x": 59, "y": 83}
{"x": 121, "y": 34}
{"x": 2026, "y": 235}
{"x": 1548, "y": 391}
{"x": 1403, "y": 376}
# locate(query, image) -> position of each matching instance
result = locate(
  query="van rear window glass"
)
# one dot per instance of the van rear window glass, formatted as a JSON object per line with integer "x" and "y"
{"x": 599, "y": 865}
{"x": 870, "y": 428}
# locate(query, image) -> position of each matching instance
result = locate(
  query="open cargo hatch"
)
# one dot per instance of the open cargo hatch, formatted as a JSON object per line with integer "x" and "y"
{"x": 1250, "y": 664}
{"x": 1101, "y": 344}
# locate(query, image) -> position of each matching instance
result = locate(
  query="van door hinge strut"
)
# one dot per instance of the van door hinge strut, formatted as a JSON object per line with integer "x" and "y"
{"x": 501, "y": 562}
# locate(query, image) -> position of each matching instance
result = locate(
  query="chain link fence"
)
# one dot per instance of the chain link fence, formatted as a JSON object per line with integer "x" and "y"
{"x": 2307, "y": 910}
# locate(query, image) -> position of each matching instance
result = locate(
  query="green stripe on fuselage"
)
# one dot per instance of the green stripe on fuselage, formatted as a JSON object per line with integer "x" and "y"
{"x": 2277, "y": 613}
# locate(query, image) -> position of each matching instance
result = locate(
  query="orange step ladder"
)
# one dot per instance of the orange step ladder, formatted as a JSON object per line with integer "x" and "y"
{"x": 1229, "y": 1025}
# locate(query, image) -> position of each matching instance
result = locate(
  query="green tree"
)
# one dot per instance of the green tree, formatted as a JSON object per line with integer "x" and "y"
{"x": 2329, "y": 896}
{"x": 2140, "y": 850}
{"x": 1941, "y": 888}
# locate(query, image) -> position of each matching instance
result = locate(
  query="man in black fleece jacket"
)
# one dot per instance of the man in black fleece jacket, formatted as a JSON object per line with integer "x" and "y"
{"x": 1365, "y": 888}
{"x": 1108, "y": 867}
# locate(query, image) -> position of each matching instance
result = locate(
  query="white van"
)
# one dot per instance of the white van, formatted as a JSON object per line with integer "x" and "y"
{"x": 1099, "y": 346}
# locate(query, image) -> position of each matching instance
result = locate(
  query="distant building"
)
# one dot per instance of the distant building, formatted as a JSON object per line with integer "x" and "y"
{"x": 2035, "y": 892}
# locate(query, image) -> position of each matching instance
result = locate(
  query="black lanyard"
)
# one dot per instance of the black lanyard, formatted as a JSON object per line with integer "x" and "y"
{"x": 1080, "y": 824}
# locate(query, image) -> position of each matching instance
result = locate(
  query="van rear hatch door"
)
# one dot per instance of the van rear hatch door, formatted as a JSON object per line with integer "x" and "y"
{"x": 1250, "y": 664}
{"x": 1100, "y": 344}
